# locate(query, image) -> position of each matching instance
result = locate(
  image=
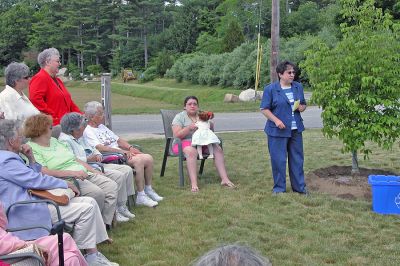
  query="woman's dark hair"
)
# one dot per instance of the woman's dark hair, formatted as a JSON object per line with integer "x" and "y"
{"x": 188, "y": 98}
{"x": 282, "y": 67}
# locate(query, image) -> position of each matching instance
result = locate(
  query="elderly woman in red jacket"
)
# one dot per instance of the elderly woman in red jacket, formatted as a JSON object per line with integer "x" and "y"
{"x": 47, "y": 92}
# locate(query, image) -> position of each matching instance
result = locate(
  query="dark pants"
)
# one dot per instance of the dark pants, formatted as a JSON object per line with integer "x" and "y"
{"x": 281, "y": 148}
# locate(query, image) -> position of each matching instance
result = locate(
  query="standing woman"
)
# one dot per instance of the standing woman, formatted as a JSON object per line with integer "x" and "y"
{"x": 282, "y": 103}
{"x": 47, "y": 92}
{"x": 183, "y": 127}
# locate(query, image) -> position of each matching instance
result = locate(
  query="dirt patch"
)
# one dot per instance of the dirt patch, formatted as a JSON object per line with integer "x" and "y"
{"x": 339, "y": 182}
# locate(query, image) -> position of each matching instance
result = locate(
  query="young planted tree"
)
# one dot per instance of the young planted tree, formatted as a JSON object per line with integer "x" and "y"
{"x": 357, "y": 82}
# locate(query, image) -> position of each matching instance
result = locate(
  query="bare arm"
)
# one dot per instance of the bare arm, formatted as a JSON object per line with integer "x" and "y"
{"x": 88, "y": 167}
{"x": 182, "y": 132}
{"x": 268, "y": 114}
{"x": 103, "y": 148}
{"x": 64, "y": 173}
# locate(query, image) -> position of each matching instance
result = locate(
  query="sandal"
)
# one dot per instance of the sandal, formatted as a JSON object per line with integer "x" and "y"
{"x": 195, "y": 189}
{"x": 228, "y": 184}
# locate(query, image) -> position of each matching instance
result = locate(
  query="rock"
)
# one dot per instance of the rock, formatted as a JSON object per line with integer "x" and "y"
{"x": 64, "y": 79}
{"x": 62, "y": 72}
{"x": 231, "y": 98}
{"x": 248, "y": 95}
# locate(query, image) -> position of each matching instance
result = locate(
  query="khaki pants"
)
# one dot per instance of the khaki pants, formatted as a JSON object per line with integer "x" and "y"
{"x": 104, "y": 191}
{"x": 85, "y": 215}
{"x": 123, "y": 176}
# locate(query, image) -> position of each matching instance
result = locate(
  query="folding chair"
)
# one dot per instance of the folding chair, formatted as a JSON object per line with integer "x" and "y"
{"x": 168, "y": 117}
{"x": 57, "y": 228}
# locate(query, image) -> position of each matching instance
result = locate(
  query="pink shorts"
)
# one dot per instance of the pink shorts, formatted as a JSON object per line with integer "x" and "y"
{"x": 185, "y": 143}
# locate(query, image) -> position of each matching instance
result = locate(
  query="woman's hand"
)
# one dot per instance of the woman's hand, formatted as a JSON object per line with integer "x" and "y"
{"x": 74, "y": 189}
{"x": 95, "y": 158}
{"x": 301, "y": 107}
{"x": 193, "y": 127}
{"x": 134, "y": 151}
{"x": 82, "y": 175}
{"x": 279, "y": 124}
{"x": 26, "y": 150}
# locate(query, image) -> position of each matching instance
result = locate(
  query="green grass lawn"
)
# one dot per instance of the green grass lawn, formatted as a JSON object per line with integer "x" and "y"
{"x": 134, "y": 98}
{"x": 290, "y": 229}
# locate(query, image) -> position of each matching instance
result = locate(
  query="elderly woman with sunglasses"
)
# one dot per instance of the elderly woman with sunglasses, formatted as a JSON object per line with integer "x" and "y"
{"x": 16, "y": 178}
{"x": 58, "y": 161}
{"x": 72, "y": 127}
{"x": 282, "y": 103}
{"x": 13, "y": 102}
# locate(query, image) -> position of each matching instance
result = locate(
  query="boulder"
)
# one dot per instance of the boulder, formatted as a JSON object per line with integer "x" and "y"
{"x": 249, "y": 95}
{"x": 231, "y": 98}
{"x": 61, "y": 72}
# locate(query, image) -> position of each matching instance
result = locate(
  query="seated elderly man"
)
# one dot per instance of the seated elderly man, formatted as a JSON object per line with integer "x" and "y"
{"x": 57, "y": 160}
{"x": 15, "y": 180}
{"x": 103, "y": 139}
{"x": 72, "y": 127}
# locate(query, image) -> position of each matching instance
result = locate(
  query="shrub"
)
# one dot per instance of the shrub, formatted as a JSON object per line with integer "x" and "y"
{"x": 148, "y": 75}
{"x": 239, "y": 55}
{"x": 209, "y": 74}
{"x": 74, "y": 71}
{"x": 94, "y": 69}
{"x": 191, "y": 67}
{"x": 163, "y": 62}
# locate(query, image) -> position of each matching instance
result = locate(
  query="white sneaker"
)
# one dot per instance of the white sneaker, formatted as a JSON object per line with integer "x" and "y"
{"x": 146, "y": 201}
{"x": 103, "y": 258}
{"x": 100, "y": 260}
{"x": 125, "y": 212}
{"x": 120, "y": 217}
{"x": 153, "y": 195}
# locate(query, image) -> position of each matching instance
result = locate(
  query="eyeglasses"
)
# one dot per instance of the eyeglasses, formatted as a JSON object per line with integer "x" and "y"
{"x": 27, "y": 77}
{"x": 291, "y": 72}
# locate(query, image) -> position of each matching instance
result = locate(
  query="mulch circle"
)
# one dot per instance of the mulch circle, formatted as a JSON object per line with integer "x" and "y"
{"x": 339, "y": 182}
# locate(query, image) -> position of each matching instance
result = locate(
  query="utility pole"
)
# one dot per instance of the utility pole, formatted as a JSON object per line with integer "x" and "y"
{"x": 274, "y": 40}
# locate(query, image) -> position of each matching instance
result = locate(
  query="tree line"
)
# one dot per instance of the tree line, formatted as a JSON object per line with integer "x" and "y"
{"x": 107, "y": 35}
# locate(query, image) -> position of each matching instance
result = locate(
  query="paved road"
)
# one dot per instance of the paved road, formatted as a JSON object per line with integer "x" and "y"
{"x": 136, "y": 126}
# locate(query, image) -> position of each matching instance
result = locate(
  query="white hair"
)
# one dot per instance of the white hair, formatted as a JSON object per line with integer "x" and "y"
{"x": 91, "y": 108}
{"x": 232, "y": 255}
{"x": 46, "y": 55}
{"x": 8, "y": 130}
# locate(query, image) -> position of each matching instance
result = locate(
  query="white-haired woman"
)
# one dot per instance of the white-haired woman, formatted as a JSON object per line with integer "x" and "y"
{"x": 104, "y": 140}
{"x": 72, "y": 127}
{"x": 47, "y": 92}
{"x": 13, "y": 102}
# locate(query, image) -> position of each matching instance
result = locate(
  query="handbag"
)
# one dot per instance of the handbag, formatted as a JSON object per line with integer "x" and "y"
{"x": 114, "y": 158}
{"x": 61, "y": 196}
{"x": 31, "y": 248}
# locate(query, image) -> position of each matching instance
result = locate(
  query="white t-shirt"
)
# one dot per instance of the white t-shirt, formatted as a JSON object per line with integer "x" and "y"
{"x": 100, "y": 135}
{"x": 16, "y": 106}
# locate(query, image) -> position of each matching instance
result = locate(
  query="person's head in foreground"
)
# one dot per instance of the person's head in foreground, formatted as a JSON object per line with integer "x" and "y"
{"x": 232, "y": 255}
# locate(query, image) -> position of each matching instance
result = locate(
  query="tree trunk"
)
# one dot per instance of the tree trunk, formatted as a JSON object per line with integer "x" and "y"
{"x": 145, "y": 47}
{"x": 274, "y": 40}
{"x": 354, "y": 163}
{"x": 82, "y": 62}
{"x": 69, "y": 56}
